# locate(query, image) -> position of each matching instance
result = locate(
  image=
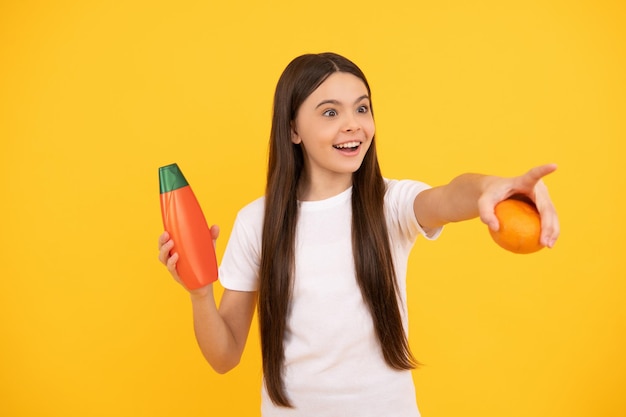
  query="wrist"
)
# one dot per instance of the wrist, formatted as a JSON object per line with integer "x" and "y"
{"x": 201, "y": 294}
{"x": 486, "y": 182}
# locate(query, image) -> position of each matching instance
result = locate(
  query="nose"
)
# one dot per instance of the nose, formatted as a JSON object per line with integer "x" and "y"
{"x": 351, "y": 124}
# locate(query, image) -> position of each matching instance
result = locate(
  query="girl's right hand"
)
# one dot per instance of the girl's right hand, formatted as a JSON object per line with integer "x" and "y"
{"x": 169, "y": 260}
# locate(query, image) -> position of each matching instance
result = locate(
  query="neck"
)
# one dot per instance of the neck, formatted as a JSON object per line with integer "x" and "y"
{"x": 322, "y": 188}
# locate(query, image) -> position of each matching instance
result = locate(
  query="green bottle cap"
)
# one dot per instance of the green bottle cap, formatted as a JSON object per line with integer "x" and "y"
{"x": 171, "y": 178}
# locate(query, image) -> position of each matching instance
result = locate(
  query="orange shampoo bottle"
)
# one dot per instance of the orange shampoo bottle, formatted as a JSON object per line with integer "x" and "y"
{"x": 184, "y": 221}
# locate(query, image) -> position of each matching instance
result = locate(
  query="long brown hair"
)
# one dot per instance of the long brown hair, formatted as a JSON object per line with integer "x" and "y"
{"x": 370, "y": 240}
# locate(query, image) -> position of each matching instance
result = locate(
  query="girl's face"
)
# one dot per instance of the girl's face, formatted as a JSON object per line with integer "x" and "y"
{"x": 335, "y": 127}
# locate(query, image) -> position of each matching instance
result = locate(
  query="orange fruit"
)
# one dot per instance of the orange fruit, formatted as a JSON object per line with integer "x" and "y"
{"x": 520, "y": 226}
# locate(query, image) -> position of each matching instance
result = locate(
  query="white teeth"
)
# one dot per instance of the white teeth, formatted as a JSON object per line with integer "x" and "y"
{"x": 347, "y": 145}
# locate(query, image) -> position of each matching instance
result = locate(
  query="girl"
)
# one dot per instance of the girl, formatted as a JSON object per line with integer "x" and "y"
{"x": 324, "y": 253}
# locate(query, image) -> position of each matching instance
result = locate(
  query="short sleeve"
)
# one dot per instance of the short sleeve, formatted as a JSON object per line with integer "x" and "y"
{"x": 399, "y": 199}
{"x": 239, "y": 269}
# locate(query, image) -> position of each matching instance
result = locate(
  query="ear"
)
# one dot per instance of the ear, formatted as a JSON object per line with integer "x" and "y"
{"x": 295, "y": 138}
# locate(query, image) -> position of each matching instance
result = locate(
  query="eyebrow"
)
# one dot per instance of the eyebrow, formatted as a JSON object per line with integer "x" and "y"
{"x": 336, "y": 102}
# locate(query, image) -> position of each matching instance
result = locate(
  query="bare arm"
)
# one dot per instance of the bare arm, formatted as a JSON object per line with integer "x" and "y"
{"x": 221, "y": 332}
{"x": 474, "y": 195}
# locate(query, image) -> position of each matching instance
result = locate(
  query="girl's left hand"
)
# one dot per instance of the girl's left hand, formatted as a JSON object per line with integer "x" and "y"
{"x": 529, "y": 185}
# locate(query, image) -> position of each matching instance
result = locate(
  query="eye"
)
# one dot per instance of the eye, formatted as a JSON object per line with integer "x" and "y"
{"x": 363, "y": 109}
{"x": 330, "y": 113}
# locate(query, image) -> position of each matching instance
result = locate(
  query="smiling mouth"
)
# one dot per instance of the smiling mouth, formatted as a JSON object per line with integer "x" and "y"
{"x": 348, "y": 145}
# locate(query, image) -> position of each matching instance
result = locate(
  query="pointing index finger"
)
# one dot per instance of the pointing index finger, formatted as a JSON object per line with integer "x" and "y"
{"x": 530, "y": 179}
{"x": 541, "y": 171}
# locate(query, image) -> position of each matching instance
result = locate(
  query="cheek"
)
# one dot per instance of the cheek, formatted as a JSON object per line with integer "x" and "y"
{"x": 370, "y": 128}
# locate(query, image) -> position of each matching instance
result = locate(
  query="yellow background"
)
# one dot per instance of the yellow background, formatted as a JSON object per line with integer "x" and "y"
{"x": 96, "y": 95}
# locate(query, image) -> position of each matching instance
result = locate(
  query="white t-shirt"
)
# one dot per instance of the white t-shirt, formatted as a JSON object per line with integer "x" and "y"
{"x": 334, "y": 365}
